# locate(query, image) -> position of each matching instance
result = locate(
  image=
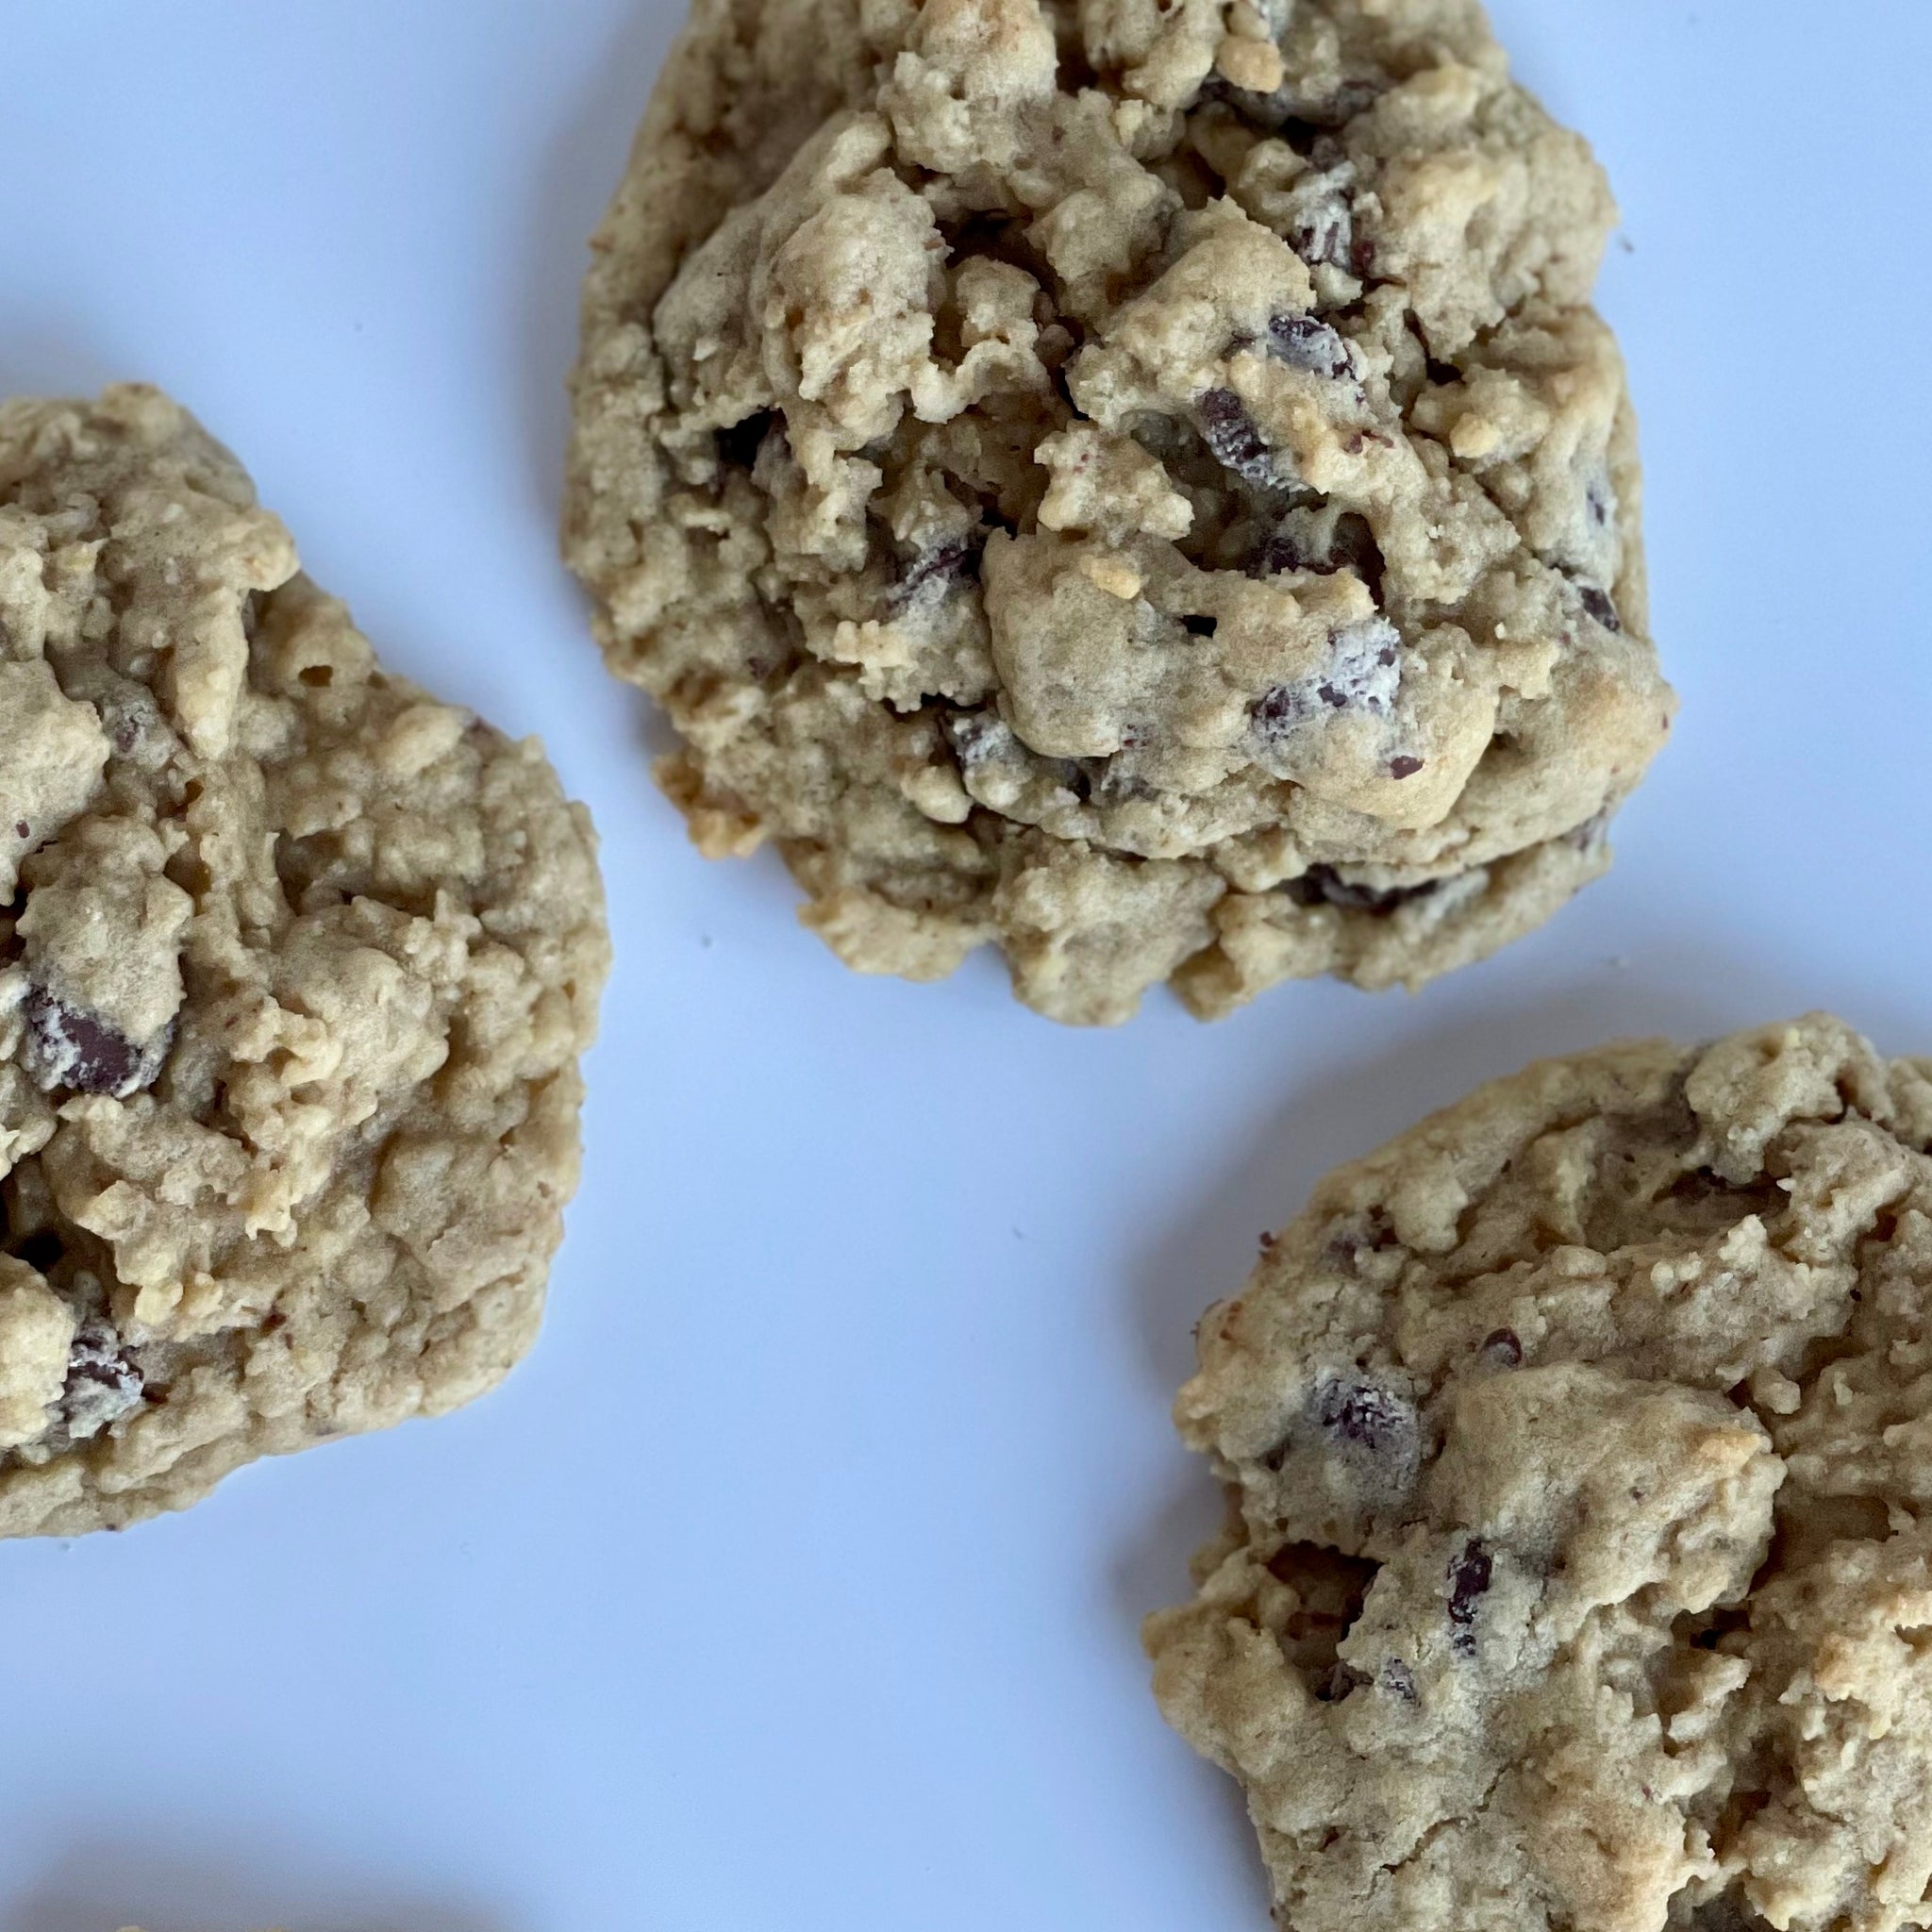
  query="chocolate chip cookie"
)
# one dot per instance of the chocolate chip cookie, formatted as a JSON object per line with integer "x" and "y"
{"x": 1140, "y": 484}
{"x": 1578, "y": 1445}
{"x": 295, "y": 966}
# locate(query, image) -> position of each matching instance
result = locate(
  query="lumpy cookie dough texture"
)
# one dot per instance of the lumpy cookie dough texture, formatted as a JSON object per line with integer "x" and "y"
{"x": 1136, "y": 483}
{"x": 295, "y": 966}
{"x": 1578, "y": 1571}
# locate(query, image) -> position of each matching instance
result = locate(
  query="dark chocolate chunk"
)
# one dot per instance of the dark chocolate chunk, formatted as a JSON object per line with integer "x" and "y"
{"x": 1300, "y": 118}
{"x": 1404, "y": 767}
{"x": 22, "y": 829}
{"x": 1366, "y": 1415}
{"x": 1398, "y": 1680}
{"x": 1322, "y": 885}
{"x": 1320, "y": 225}
{"x": 68, "y": 1046}
{"x": 1323, "y": 542}
{"x": 1598, "y": 603}
{"x": 104, "y": 1381}
{"x": 1469, "y": 1572}
{"x": 1363, "y": 671}
{"x": 934, "y": 572}
{"x": 1304, "y": 342}
{"x": 1232, "y": 437}
{"x": 738, "y": 445}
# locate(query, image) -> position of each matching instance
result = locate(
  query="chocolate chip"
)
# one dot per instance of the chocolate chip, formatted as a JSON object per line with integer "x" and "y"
{"x": 1319, "y": 219}
{"x": 68, "y": 1046}
{"x": 1361, "y": 257}
{"x": 1503, "y": 1347}
{"x": 1398, "y": 1680}
{"x": 1363, "y": 672}
{"x": 1469, "y": 1571}
{"x": 739, "y": 444}
{"x": 1324, "y": 542}
{"x": 104, "y": 1381}
{"x": 1366, "y": 1415}
{"x": 932, "y": 573}
{"x": 1199, "y": 627}
{"x": 1598, "y": 603}
{"x": 1404, "y": 767}
{"x": 1300, "y": 118}
{"x": 1322, "y": 885}
{"x": 1303, "y": 342}
{"x": 1232, "y": 438}
{"x": 22, "y": 829}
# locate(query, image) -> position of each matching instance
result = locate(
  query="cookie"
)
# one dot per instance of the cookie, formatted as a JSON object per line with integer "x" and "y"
{"x": 1578, "y": 1445}
{"x": 1140, "y": 485}
{"x": 295, "y": 966}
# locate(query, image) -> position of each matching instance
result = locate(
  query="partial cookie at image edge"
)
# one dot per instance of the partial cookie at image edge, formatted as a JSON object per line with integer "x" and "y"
{"x": 296, "y": 966}
{"x": 1575, "y": 1448}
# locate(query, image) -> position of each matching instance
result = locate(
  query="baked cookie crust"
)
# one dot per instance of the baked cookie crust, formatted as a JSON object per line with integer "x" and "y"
{"x": 1138, "y": 485}
{"x": 295, "y": 966}
{"x": 1576, "y": 1571}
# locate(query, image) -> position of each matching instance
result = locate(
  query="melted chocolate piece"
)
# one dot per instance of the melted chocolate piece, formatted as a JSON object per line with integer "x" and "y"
{"x": 1368, "y": 1416}
{"x": 1304, "y": 342}
{"x": 1470, "y": 1573}
{"x": 104, "y": 1381}
{"x": 1363, "y": 671}
{"x": 947, "y": 564}
{"x": 1598, "y": 603}
{"x": 1322, "y": 885}
{"x": 1321, "y": 221}
{"x": 1233, "y": 438}
{"x": 1323, "y": 542}
{"x": 72, "y": 1047}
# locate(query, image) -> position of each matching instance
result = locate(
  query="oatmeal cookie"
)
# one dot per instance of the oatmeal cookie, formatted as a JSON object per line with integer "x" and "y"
{"x": 295, "y": 966}
{"x": 1576, "y": 1444}
{"x": 1136, "y": 483}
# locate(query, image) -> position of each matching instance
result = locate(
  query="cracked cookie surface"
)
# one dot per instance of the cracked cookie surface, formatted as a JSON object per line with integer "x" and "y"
{"x": 1579, "y": 1568}
{"x": 295, "y": 966}
{"x": 1138, "y": 485}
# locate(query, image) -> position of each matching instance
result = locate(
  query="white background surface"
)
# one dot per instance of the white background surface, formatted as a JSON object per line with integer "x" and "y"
{"x": 793, "y": 1582}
